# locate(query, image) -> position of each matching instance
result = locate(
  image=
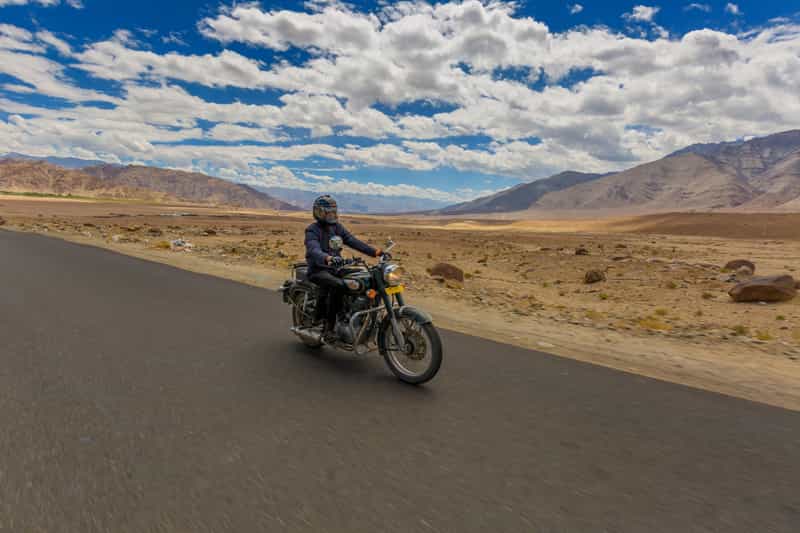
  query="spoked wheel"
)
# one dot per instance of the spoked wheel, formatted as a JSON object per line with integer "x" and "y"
{"x": 305, "y": 319}
{"x": 419, "y": 359}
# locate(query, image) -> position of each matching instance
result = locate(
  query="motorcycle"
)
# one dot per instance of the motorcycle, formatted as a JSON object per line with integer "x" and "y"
{"x": 372, "y": 317}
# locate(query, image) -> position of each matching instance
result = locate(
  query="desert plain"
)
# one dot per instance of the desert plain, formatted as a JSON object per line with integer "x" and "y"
{"x": 663, "y": 310}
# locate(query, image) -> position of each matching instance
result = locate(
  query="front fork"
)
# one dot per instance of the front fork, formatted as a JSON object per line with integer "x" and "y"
{"x": 398, "y": 335}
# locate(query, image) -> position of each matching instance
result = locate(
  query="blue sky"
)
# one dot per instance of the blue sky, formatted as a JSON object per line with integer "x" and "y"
{"x": 445, "y": 101}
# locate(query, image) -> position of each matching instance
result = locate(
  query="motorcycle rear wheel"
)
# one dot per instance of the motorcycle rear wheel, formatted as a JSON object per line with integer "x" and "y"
{"x": 304, "y": 320}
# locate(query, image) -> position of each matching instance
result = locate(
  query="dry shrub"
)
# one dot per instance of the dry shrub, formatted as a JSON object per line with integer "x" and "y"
{"x": 653, "y": 323}
{"x": 740, "y": 330}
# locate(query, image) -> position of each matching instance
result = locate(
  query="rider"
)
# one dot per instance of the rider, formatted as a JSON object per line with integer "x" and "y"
{"x": 325, "y": 260}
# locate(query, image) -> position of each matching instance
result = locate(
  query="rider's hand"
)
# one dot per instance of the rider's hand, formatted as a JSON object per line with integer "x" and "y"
{"x": 335, "y": 261}
{"x": 386, "y": 256}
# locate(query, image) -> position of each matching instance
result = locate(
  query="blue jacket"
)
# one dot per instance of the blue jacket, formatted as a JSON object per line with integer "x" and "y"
{"x": 318, "y": 248}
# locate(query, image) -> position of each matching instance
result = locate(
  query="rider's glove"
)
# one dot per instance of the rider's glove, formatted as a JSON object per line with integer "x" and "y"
{"x": 336, "y": 262}
{"x": 386, "y": 256}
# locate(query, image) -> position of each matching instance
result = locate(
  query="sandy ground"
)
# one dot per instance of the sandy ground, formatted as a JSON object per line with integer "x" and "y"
{"x": 663, "y": 311}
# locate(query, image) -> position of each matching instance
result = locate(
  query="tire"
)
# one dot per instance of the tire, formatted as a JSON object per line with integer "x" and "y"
{"x": 301, "y": 321}
{"x": 434, "y": 352}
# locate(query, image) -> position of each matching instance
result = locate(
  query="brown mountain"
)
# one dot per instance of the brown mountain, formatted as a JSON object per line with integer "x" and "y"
{"x": 519, "y": 197}
{"x": 131, "y": 182}
{"x": 758, "y": 173}
{"x": 686, "y": 181}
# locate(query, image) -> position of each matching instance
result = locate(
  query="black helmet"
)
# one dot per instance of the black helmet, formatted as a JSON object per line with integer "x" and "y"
{"x": 325, "y": 210}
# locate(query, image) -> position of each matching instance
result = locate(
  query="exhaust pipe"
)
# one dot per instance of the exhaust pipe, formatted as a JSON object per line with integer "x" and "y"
{"x": 308, "y": 335}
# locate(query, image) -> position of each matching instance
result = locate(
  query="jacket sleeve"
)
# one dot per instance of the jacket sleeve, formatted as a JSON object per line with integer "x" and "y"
{"x": 314, "y": 253}
{"x": 350, "y": 240}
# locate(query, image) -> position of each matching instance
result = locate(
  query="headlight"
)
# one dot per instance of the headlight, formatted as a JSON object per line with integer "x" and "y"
{"x": 393, "y": 275}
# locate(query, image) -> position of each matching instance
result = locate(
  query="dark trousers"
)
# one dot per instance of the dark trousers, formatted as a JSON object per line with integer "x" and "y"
{"x": 330, "y": 289}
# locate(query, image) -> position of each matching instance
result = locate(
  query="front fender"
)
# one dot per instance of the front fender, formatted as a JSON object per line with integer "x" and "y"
{"x": 418, "y": 315}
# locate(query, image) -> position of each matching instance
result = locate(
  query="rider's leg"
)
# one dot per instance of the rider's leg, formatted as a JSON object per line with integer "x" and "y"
{"x": 330, "y": 289}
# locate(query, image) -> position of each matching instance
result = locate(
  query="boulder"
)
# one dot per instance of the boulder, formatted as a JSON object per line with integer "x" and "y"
{"x": 447, "y": 271}
{"x": 765, "y": 289}
{"x": 155, "y": 232}
{"x": 581, "y": 250}
{"x": 2, "y": 221}
{"x": 453, "y": 284}
{"x": 736, "y": 263}
{"x": 744, "y": 271}
{"x": 594, "y": 276}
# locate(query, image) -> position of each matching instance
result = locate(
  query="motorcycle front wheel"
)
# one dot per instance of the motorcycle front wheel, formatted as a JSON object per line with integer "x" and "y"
{"x": 420, "y": 359}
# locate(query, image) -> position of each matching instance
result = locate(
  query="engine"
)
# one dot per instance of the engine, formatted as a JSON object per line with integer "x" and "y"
{"x": 352, "y": 305}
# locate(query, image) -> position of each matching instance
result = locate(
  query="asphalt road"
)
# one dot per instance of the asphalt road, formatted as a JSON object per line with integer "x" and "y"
{"x": 138, "y": 397}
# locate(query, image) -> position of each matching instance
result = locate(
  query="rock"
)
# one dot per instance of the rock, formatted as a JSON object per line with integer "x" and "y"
{"x": 453, "y": 284}
{"x": 581, "y": 250}
{"x": 447, "y": 271}
{"x": 209, "y": 232}
{"x": 155, "y": 232}
{"x": 621, "y": 258}
{"x": 594, "y": 276}
{"x": 744, "y": 271}
{"x": 765, "y": 289}
{"x": 116, "y": 238}
{"x": 180, "y": 244}
{"x": 736, "y": 263}
{"x": 2, "y": 221}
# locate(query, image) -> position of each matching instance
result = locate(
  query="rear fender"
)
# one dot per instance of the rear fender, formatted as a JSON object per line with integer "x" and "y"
{"x": 290, "y": 288}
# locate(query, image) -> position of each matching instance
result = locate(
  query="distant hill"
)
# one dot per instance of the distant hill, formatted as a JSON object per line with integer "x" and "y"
{"x": 356, "y": 203}
{"x": 131, "y": 182}
{"x": 65, "y": 162}
{"x": 519, "y": 197}
{"x": 759, "y": 173}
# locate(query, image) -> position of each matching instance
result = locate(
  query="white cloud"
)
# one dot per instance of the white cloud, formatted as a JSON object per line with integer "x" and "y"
{"x": 698, "y": 7}
{"x": 642, "y": 13}
{"x": 318, "y": 177}
{"x": 48, "y": 38}
{"x": 77, "y": 4}
{"x": 733, "y": 9}
{"x": 574, "y": 9}
{"x": 19, "y": 39}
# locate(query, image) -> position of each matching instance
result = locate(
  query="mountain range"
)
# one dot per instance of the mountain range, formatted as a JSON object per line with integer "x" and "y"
{"x": 130, "y": 182}
{"x": 762, "y": 173}
{"x": 357, "y": 202}
{"x": 759, "y": 173}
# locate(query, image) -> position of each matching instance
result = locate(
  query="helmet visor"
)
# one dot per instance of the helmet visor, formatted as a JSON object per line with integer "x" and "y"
{"x": 329, "y": 214}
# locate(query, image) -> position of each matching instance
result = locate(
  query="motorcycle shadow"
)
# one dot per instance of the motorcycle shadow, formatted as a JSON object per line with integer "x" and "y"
{"x": 346, "y": 367}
